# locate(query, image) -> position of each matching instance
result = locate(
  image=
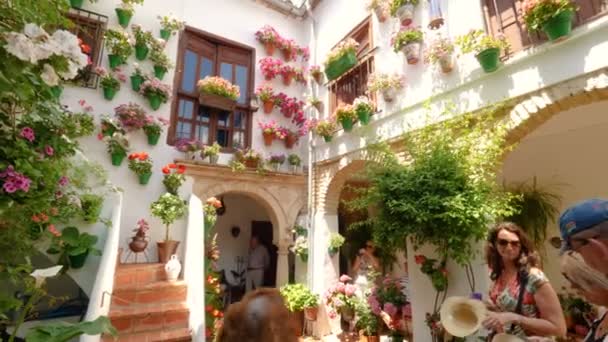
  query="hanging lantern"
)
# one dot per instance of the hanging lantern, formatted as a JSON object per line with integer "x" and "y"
{"x": 435, "y": 15}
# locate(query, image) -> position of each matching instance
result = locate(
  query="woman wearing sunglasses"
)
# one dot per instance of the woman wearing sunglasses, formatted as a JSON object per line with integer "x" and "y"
{"x": 522, "y": 301}
{"x": 365, "y": 267}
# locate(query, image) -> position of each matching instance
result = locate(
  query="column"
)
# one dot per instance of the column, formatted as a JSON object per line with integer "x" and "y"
{"x": 282, "y": 265}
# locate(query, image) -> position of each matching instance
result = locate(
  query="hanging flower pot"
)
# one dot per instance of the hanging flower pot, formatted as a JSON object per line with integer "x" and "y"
{"x": 268, "y": 106}
{"x": 389, "y": 94}
{"x": 303, "y": 256}
{"x": 405, "y": 14}
{"x": 327, "y": 138}
{"x": 144, "y": 178}
{"x": 435, "y": 15}
{"x": 317, "y": 78}
{"x": 287, "y": 114}
{"x": 287, "y": 78}
{"x": 153, "y": 139}
{"x": 141, "y": 52}
{"x": 381, "y": 13}
{"x": 446, "y": 63}
{"x": 287, "y": 54}
{"x": 489, "y": 59}
{"x": 347, "y": 124}
{"x": 77, "y": 261}
{"x": 311, "y": 313}
{"x": 159, "y": 72}
{"x": 318, "y": 106}
{"x": 136, "y": 81}
{"x": 109, "y": 93}
{"x": 124, "y": 17}
{"x": 115, "y": 61}
{"x": 108, "y": 132}
{"x": 57, "y": 91}
{"x": 290, "y": 140}
{"x": 363, "y": 116}
{"x": 338, "y": 67}
{"x": 268, "y": 138}
{"x": 269, "y": 47}
{"x": 117, "y": 158}
{"x": 76, "y": 3}
{"x": 560, "y": 26}
{"x": 155, "y": 101}
{"x": 412, "y": 52}
{"x": 165, "y": 34}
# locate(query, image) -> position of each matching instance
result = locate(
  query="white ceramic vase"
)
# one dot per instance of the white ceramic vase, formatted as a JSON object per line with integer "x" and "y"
{"x": 173, "y": 268}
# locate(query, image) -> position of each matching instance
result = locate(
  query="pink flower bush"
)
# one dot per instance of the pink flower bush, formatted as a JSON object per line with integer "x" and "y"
{"x": 287, "y": 70}
{"x": 289, "y": 47}
{"x": 270, "y": 67}
{"x": 267, "y": 34}
{"x": 304, "y": 52}
{"x": 345, "y": 278}
{"x": 14, "y": 181}
{"x": 272, "y": 128}
{"x": 155, "y": 87}
{"x": 340, "y": 296}
{"x": 131, "y": 116}
{"x": 63, "y": 181}
{"x": 265, "y": 92}
{"x": 28, "y": 134}
{"x": 388, "y": 296}
{"x": 289, "y": 105}
{"x": 219, "y": 86}
{"x": 49, "y": 150}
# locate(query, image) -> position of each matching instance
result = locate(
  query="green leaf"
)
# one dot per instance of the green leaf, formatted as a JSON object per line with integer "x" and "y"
{"x": 62, "y": 332}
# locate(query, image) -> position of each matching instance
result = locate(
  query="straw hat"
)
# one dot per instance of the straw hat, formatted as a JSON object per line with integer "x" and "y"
{"x": 502, "y": 337}
{"x": 462, "y": 316}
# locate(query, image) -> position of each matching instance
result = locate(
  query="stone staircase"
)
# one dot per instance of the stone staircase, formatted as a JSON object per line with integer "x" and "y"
{"x": 146, "y": 307}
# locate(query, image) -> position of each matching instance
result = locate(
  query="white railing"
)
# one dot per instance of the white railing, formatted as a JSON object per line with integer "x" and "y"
{"x": 100, "y": 298}
{"x": 194, "y": 268}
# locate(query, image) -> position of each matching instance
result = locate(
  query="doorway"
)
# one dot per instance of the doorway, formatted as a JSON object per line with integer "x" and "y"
{"x": 263, "y": 230}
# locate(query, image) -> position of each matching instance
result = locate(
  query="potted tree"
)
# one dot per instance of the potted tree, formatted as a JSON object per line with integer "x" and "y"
{"x": 125, "y": 11}
{"x": 487, "y": 48}
{"x": 218, "y": 93}
{"x": 341, "y": 58}
{"x": 440, "y": 51}
{"x": 346, "y": 115}
{"x": 118, "y": 145}
{"x": 168, "y": 208}
{"x": 299, "y": 299}
{"x": 173, "y": 177}
{"x": 269, "y": 37}
{"x": 169, "y": 25}
{"x": 294, "y": 161}
{"x": 265, "y": 94}
{"x": 153, "y": 128}
{"x": 404, "y": 10}
{"x": 335, "y": 242}
{"x": 367, "y": 323}
{"x": 141, "y": 164}
{"x": 387, "y": 85}
{"x": 74, "y": 247}
{"x": 90, "y": 205}
{"x": 142, "y": 41}
{"x": 118, "y": 46}
{"x": 326, "y": 129}
{"x": 363, "y": 107}
{"x": 212, "y": 151}
{"x": 156, "y": 92}
{"x": 553, "y": 17}
{"x": 109, "y": 82}
{"x": 159, "y": 59}
{"x": 408, "y": 40}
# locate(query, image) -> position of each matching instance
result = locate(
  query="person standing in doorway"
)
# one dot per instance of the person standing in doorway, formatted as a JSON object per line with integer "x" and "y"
{"x": 258, "y": 263}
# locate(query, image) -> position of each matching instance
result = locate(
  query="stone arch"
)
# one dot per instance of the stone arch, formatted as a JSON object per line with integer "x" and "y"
{"x": 257, "y": 192}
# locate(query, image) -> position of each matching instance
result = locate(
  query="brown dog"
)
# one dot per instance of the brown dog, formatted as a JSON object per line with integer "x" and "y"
{"x": 260, "y": 317}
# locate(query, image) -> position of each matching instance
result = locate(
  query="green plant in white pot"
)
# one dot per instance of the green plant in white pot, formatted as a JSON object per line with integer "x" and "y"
{"x": 335, "y": 242}
{"x": 168, "y": 208}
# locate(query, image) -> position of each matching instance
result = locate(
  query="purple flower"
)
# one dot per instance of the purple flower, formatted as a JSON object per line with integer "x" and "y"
{"x": 28, "y": 133}
{"x": 49, "y": 150}
{"x": 63, "y": 181}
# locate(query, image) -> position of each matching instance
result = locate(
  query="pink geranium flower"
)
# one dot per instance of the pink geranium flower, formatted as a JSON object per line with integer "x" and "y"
{"x": 345, "y": 279}
{"x": 350, "y": 290}
{"x": 49, "y": 150}
{"x": 28, "y": 134}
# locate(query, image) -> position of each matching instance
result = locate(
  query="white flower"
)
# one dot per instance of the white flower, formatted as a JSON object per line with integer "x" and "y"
{"x": 18, "y": 45}
{"x": 71, "y": 72}
{"x": 42, "y": 274}
{"x": 34, "y": 31}
{"x": 46, "y": 49}
{"x": 49, "y": 76}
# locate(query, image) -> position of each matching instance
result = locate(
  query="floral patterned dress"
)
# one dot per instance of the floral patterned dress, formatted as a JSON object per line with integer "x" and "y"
{"x": 505, "y": 297}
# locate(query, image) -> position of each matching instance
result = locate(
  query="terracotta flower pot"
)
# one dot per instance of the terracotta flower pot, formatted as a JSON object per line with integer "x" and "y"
{"x": 290, "y": 140}
{"x": 287, "y": 78}
{"x": 446, "y": 63}
{"x": 363, "y": 338}
{"x": 389, "y": 94}
{"x": 270, "y": 47}
{"x": 287, "y": 54}
{"x": 268, "y": 106}
{"x": 405, "y": 14}
{"x": 296, "y": 320}
{"x": 268, "y": 138}
{"x": 318, "y": 77}
{"x": 252, "y": 164}
{"x": 311, "y": 313}
{"x": 166, "y": 249}
{"x": 412, "y": 52}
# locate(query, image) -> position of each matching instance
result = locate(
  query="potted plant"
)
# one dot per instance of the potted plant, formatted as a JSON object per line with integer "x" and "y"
{"x": 212, "y": 151}
{"x": 335, "y": 242}
{"x": 289, "y": 105}
{"x": 408, "y": 40}
{"x": 159, "y": 59}
{"x": 553, "y": 17}
{"x": 265, "y": 94}
{"x": 326, "y": 129}
{"x": 347, "y": 116}
{"x": 276, "y": 160}
{"x": 141, "y": 164}
{"x": 364, "y": 108}
{"x": 249, "y": 158}
{"x": 304, "y": 51}
{"x": 341, "y": 58}
{"x": 294, "y": 161}
{"x": 435, "y": 15}
{"x": 218, "y": 93}
{"x": 487, "y": 48}
{"x": 173, "y": 177}
{"x": 168, "y": 208}
{"x": 287, "y": 72}
{"x": 269, "y": 37}
{"x": 156, "y": 92}
{"x": 388, "y": 293}
{"x": 316, "y": 73}
{"x": 142, "y": 41}
{"x": 78, "y": 3}
{"x": 270, "y": 131}
{"x": 90, "y": 205}
{"x": 189, "y": 147}
{"x": 300, "y": 298}
{"x": 153, "y": 129}
{"x": 289, "y": 48}
{"x": 440, "y": 51}
{"x": 109, "y": 126}
{"x": 404, "y": 10}
{"x": 74, "y": 247}
{"x": 139, "y": 241}
{"x": 299, "y": 75}
{"x": 125, "y": 11}
{"x": 341, "y": 299}
{"x": 131, "y": 116}
{"x": 109, "y": 82}
{"x": 300, "y": 248}
{"x": 137, "y": 77}
{"x": 315, "y": 102}
{"x": 367, "y": 323}
{"x": 270, "y": 67}
{"x": 387, "y": 85}
{"x": 169, "y": 25}
{"x": 380, "y": 7}
{"x": 118, "y": 145}
{"x": 119, "y": 48}
{"x": 290, "y": 136}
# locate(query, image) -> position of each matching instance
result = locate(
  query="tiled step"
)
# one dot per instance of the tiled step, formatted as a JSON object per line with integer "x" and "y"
{"x": 153, "y": 293}
{"x": 131, "y": 275}
{"x": 172, "y": 335}
{"x": 141, "y": 317}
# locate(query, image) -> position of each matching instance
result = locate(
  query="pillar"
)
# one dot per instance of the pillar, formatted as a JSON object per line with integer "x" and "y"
{"x": 282, "y": 265}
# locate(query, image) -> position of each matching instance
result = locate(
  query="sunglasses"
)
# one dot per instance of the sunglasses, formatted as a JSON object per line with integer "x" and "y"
{"x": 504, "y": 243}
{"x": 369, "y": 246}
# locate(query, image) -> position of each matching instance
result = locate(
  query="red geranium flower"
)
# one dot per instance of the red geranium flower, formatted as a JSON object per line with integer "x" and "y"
{"x": 166, "y": 170}
{"x": 420, "y": 259}
{"x": 172, "y": 166}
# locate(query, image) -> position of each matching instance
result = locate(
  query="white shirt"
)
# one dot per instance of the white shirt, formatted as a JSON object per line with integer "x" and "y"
{"x": 259, "y": 258}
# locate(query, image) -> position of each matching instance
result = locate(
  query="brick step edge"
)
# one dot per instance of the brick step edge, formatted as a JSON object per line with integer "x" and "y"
{"x": 159, "y": 293}
{"x": 172, "y": 335}
{"x": 139, "y": 310}
{"x": 153, "y": 322}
